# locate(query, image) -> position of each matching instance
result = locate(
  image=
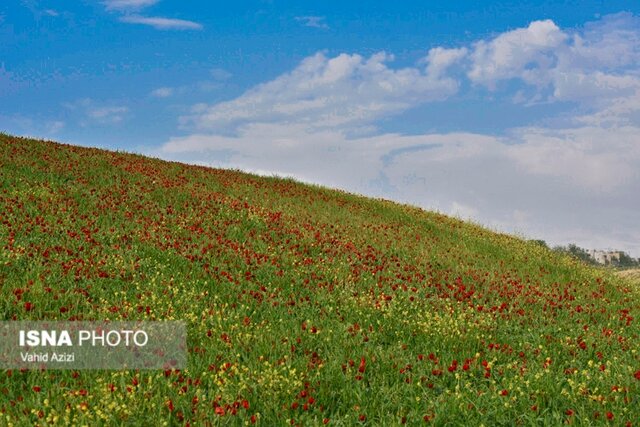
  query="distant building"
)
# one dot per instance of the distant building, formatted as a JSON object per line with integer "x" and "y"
{"x": 605, "y": 257}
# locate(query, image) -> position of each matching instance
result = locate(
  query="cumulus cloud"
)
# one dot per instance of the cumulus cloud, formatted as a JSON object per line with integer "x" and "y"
{"x": 346, "y": 90}
{"x": 440, "y": 59}
{"x": 611, "y": 44}
{"x": 575, "y": 181}
{"x": 596, "y": 67}
{"x": 525, "y": 53}
{"x": 160, "y": 23}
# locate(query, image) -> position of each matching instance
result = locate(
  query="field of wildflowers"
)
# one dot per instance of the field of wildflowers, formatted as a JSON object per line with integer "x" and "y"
{"x": 304, "y": 306}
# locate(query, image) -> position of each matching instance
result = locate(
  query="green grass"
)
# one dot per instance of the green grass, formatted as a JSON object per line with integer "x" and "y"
{"x": 306, "y": 284}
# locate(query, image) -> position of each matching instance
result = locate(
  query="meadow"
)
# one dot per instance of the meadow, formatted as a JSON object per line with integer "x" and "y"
{"x": 303, "y": 305}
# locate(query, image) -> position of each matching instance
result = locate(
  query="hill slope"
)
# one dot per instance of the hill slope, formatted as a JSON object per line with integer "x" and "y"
{"x": 302, "y": 303}
{"x": 630, "y": 274}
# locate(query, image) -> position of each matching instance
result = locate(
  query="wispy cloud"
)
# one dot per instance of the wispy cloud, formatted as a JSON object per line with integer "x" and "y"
{"x": 128, "y": 4}
{"x": 220, "y": 74}
{"x": 31, "y": 125}
{"x": 108, "y": 114}
{"x": 129, "y": 7}
{"x": 313, "y": 21}
{"x": 55, "y": 126}
{"x": 93, "y": 112}
{"x": 162, "y": 92}
{"x": 37, "y": 10}
{"x": 160, "y": 23}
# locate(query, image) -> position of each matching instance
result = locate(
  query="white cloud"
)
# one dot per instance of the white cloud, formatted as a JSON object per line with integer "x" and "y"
{"x": 525, "y": 53}
{"x": 594, "y": 158}
{"x": 160, "y": 23}
{"x": 157, "y": 22}
{"x": 53, "y": 127}
{"x": 202, "y": 86}
{"x": 220, "y": 74}
{"x": 624, "y": 110}
{"x": 321, "y": 92}
{"x": 36, "y": 127}
{"x": 95, "y": 113}
{"x": 107, "y": 114}
{"x": 574, "y": 182}
{"x": 439, "y": 59}
{"x": 162, "y": 92}
{"x": 593, "y": 66}
{"x": 608, "y": 44}
{"x": 313, "y": 21}
{"x": 128, "y": 4}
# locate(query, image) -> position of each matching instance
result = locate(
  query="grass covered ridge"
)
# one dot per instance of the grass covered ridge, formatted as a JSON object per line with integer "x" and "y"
{"x": 304, "y": 305}
{"x": 633, "y": 274}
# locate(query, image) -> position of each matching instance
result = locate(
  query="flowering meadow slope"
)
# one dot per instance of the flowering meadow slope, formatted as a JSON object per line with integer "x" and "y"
{"x": 304, "y": 305}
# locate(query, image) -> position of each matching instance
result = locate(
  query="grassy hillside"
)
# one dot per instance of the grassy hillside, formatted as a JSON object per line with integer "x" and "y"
{"x": 304, "y": 305}
{"x": 633, "y": 274}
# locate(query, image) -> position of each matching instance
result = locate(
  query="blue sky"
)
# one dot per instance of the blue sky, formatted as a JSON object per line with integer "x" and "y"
{"x": 523, "y": 116}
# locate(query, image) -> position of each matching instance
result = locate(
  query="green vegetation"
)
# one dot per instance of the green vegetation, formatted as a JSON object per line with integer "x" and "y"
{"x": 304, "y": 305}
